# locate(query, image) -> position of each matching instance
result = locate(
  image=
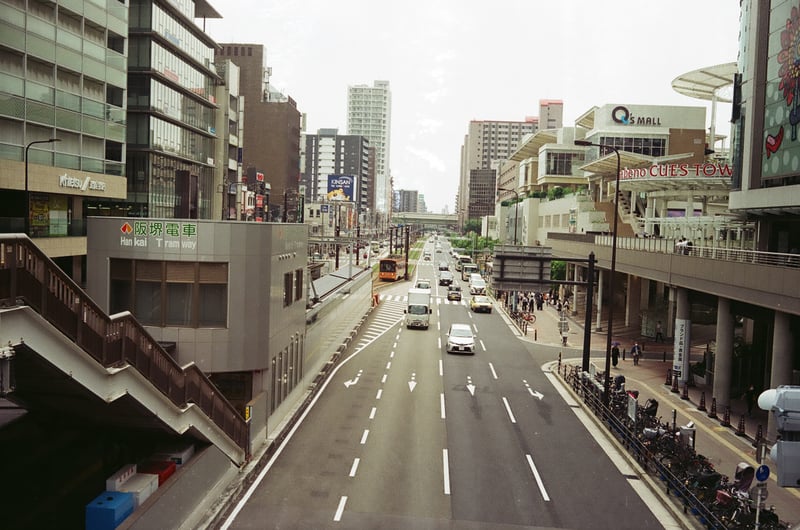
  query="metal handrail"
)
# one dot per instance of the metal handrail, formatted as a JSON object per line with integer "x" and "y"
{"x": 28, "y": 276}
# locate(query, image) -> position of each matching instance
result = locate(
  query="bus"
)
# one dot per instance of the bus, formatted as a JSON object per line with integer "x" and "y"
{"x": 392, "y": 269}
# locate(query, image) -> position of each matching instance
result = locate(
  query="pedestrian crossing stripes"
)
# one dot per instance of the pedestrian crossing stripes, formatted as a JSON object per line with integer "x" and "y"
{"x": 436, "y": 299}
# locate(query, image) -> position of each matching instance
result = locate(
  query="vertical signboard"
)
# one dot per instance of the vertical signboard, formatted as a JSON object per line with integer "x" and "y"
{"x": 680, "y": 361}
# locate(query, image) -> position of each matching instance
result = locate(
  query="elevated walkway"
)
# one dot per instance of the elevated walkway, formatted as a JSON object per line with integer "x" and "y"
{"x": 64, "y": 355}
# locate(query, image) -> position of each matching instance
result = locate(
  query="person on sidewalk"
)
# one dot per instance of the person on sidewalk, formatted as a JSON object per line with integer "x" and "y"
{"x": 636, "y": 352}
{"x": 659, "y": 334}
{"x": 614, "y": 355}
{"x": 750, "y": 398}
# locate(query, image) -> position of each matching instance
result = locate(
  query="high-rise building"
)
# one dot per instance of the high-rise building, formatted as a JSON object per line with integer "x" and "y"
{"x": 171, "y": 111}
{"x": 407, "y": 200}
{"x": 369, "y": 114}
{"x": 271, "y": 131}
{"x": 230, "y": 127}
{"x": 421, "y": 206}
{"x": 329, "y": 153}
{"x": 492, "y": 142}
{"x": 62, "y": 121}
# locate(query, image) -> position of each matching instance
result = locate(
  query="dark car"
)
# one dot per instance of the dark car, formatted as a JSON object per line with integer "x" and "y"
{"x": 454, "y": 293}
{"x": 445, "y": 278}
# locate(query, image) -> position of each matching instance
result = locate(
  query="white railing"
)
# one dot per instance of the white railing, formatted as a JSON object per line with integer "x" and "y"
{"x": 668, "y": 246}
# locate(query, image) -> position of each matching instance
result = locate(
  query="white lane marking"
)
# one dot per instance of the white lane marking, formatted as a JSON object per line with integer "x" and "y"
{"x": 491, "y": 367}
{"x": 372, "y": 413}
{"x": 446, "y": 472}
{"x": 388, "y": 365}
{"x": 440, "y": 342}
{"x": 249, "y": 493}
{"x": 469, "y": 315}
{"x": 391, "y": 355}
{"x": 394, "y": 345}
{"x": 378, "y": 395}
{"x": 483, "y": 346}
{"x": 383, "y": 379}
{"x": 354, "y": 467}
{"x": 338, "y": 516}
{"x": 441, "y": 368}
{"x": 474, "y": 326}
{"x": 438, "y": 326}
{"x": 364, "y": 436}
{"x": 538, "y": 478}
{"x": 441, "y": 404}
{"x": 508, "y": 409}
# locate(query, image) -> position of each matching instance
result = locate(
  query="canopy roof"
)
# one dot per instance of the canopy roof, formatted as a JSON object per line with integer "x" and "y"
{"x": 705, "y": 83}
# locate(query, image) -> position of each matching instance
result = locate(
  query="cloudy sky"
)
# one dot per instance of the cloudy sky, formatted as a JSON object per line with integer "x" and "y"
{"x": 452, "y": 61}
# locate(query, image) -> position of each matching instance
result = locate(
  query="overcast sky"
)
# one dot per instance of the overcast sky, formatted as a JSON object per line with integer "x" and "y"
{"x": 452, "y": 61}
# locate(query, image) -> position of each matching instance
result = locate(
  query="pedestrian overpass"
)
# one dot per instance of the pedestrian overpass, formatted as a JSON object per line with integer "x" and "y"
{"x": 426, "y": 220}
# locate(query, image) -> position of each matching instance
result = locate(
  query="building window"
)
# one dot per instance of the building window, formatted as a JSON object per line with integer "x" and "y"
{"x": 298, "y": 284}
{"x": 288, "y": 284}
{"x": 170, "y": 293}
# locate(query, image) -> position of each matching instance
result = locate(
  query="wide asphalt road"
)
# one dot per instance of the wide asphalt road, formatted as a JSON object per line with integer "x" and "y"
{"x": 407, "y": 436}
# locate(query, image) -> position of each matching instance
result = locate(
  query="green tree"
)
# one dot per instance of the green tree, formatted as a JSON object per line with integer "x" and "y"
{"x": 472, "y": 225}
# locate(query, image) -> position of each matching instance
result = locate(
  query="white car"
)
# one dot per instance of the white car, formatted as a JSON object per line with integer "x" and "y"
{"x": 460, "y": 339}
{"x": 477, "y": 287}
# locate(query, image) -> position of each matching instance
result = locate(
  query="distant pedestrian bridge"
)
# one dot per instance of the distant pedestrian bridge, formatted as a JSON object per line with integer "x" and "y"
{"x": 426, "y": 220}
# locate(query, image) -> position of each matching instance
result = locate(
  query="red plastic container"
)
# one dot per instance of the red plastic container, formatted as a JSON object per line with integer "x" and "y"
{"x": 164, "y": 469}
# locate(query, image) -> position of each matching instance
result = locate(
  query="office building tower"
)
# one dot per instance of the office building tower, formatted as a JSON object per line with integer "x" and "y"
{"x": 407, "y": 200}
{"x": 328, "y": 153}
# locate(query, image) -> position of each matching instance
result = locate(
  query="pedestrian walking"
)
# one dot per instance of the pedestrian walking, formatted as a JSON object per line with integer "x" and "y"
{"x": 636, "y": 352}
{"x": 614, "y": 355}
{"x": 659, "y": 334}
{"x": 750, "y": 399}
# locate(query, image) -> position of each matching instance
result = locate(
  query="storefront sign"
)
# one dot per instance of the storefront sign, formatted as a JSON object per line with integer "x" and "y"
{"x": 678, "y": 170}
{"x": 65, "y": 181}
{"x": 623, "y": 116}
{"x": 159, "y": 234}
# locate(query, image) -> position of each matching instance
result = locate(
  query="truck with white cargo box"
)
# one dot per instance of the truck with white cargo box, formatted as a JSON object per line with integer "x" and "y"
{"x": 418, "y": 311}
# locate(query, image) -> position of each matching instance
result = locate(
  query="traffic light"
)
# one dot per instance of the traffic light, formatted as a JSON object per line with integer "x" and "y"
{"x": 784, "y": 403}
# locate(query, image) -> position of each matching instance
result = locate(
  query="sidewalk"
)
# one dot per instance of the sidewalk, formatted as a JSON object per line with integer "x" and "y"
{"x": 720, "y": 444}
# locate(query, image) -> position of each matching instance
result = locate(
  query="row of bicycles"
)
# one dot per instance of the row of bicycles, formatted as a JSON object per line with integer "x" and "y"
{"x": 667, "y": 450}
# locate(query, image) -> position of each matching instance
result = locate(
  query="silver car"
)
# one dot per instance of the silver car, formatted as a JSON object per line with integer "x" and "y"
{"x": 460, "y": 339}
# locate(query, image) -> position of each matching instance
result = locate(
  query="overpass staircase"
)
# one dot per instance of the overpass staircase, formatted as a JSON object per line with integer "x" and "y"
{"x": 60, "y": 353}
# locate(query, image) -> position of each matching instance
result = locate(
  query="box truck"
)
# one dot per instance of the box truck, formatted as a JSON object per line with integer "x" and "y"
{"x": 418, "y": 311}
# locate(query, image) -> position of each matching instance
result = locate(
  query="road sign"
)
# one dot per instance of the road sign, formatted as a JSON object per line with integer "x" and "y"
{"x": 762, "y": 473}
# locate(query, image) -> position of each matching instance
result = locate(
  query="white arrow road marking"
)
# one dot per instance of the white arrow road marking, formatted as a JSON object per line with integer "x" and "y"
{"x": 470, "y": 386}
{"x": 534, "y": 393}
{"x": 508, "y": 409}
{"x": 351, "y": 382}
{"x": 412, "y": 383}
{"x": 538, "y": 478}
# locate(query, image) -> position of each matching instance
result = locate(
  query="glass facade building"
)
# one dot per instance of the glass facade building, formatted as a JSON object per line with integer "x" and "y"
{"x": 171, "y": 113}
{"x": 63, "y": 78}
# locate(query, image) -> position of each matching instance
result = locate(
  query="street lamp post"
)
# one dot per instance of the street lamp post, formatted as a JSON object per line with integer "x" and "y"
{"x": 27, "y": 195}
{"x": 515, "y": 210}
{"x": 607, "y": 376}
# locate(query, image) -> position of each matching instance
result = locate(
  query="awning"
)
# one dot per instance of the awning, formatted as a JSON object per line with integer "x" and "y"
{"x": 607, "y": 165}
{"x": 532, "y": 143}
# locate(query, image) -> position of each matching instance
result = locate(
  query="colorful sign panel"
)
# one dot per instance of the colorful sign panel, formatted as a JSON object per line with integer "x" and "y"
{"x": 340, "y": 187}
{"x": 782, "y": 103}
